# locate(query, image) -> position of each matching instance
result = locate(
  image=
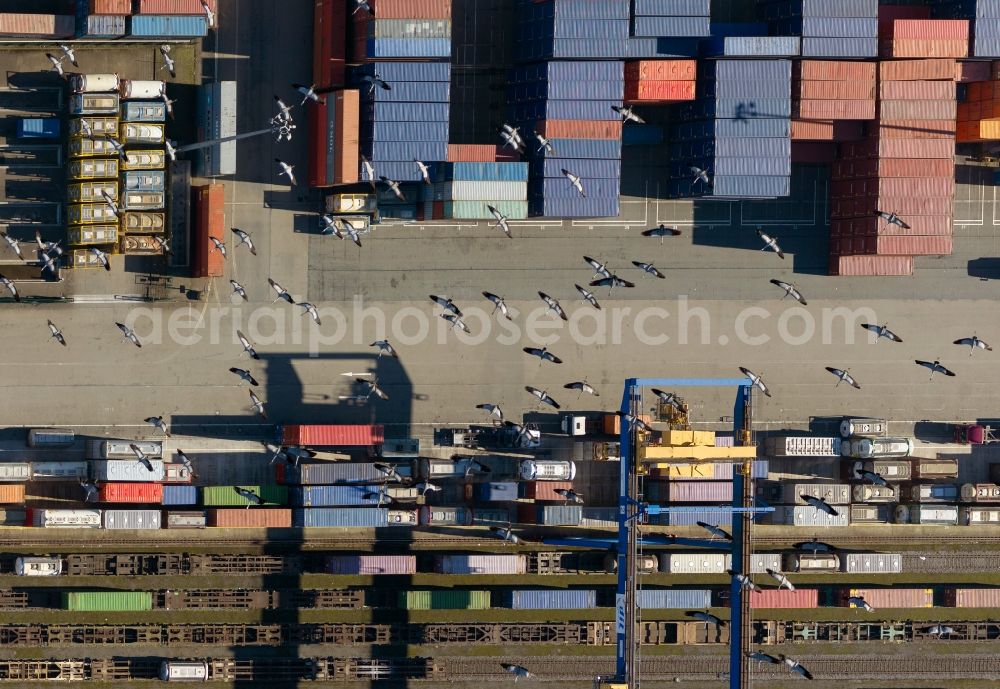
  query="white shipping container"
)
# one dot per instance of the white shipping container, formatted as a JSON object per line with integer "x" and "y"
{"x": 142, "y": 90}
{"x": 67, "y": 519}
{"x": 183, "y": 671}
{"x": 481, "y": 564}
{"x": 119, "y": 449}
{"x": 833, "y": 493}
{"x": 127, "y": 470}
{"x": 131, "y": 519}
{"x": 807, "y": 515}
{"x": 94, "y": 83}
{"x": 186, "y": 520}
{"x": 481, "y": 191}
{"x": 760, "y": 562}
{"x": 59, "y": 471}
{"x": 15, "y": 471}
{"x": 802, "y": 446}
{"x": 875, "y": 563}
{"x": 695, "y": 563}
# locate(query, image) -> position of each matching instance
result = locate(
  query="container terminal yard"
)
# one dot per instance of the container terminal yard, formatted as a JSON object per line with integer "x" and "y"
{"x": 409, "y": 343}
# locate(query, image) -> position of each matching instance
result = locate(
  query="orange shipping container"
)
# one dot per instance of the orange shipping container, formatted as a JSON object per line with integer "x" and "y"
{"x": 915, "y": 167}
{"x": 612, "y": 422}
{"x": 830, "y": 70}
{"x": 210, "y": 219}
{"x": 173, "y": 7}
{"x": 142, "y": 493}
{"x": 835, "y": 109}
{"x": 253, "y": 518}
{"x": 472, "y": 153}
{"x": 346, "y": 139}
{"x": 916, "y": 70}
{"x": 929, "y": 28}
{"x": 12, "y": 493}
{"x": 915, "y": 129}
{"x": 111, "y": 6}
{"x": 668, "y": 70}
{"x": 636, "y": 91}
{"x": 545, "y": 490}
{"x": 921, "y": 47}
{"x": 893, "y": 597}
{"x": 411, "y": 9}
{"x": 828, "y": 130}
{"x": 912, "y": 109}
{"x": 916, "y": 90}
{"x": 836, "y": 90}
{"x": 579, "y": 129}
{"x": 871, "y": 265}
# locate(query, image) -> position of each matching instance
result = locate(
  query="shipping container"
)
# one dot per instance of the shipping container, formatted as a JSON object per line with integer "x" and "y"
{"x": 674, "y": 599}
{"x": 934, "y": 492}
{"x": 870, "y": 514}
{"x": 917, "y": 70}
{"x": 17, "y": 471}
{"x": 36, "y": 26}
{"x": 492, "y": 516}
{"x": 209, "y": 220}
{"x": 14, "y": 517}
{"x": 972, "y": 598}
{"x": 875, "y": 494}
{"x": 37, "y": 128}
{"x": 802, "y": 446}
{"x": 889, "y": 469}
{"x": 193, "y": 7}
{"x": 110, "y": 6}
{"x": 224, "y": 496}
{"x": 871, "y": 265}
{"x": 329, "y": 474}
{"x": 480, "y": 564}
{"x": 695, "y": 563}
{"x": 893, "y": 597}
{"x": 927, "y": 514}
{"x": 863, "y": 427}
{"x": 59, "y": 471}
{"x": 176, "y": 473}
{"x": 144, "y": 111}
{"x": 700, "y": 491}
{"x": 186, "y": 520}
{"x": 445, "y": 516}
{"x": 807, "y": 515}
{"x": 94, "y": 104}
{"x": 127, "y": 470}
{"x": 544, "y": 490}
{"x": 832, "y": 493}
{"x": 131, "y": 519}
{"x": 981, "y": 492}
{"x": 149, "y": 493}
{"x": 144, "y": 160}
{"x": 761, "y": 562}
{"x": 333, "y": 435}
{"x": 929, "y": 468}
{"x": 180, "y": 495}
{"x": 183, "y": 671}
{"x": 350, "y": 517}
{"x": 333, "y": 496}
{"x": 329, "y": 43}
{"x": 783, "y": 598}
{"x": 874, "y": 563}
{"x": 12, "y": 494}
{"x": 216, "y": 118}
{"x": 38, "y": 566}
{"x": 444, "y": 600}
{"x": 252, "y": 518}
{"x": 978, "y": 516}
{"x": 122, "y": 449}
{"x": 370, "y": 564}
{"x": 107, "y": 601}
{"x": 550, "y": 515}
{"x": 812, "y": 562}
{"x": 167, "y": 26}
{"x": 550, "y": 599}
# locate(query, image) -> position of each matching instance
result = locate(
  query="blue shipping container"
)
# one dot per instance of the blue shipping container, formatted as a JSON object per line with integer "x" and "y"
{"x": 406, "y": 112}
{"x": 839, "y": 47}
{"x": 168, "y": 26}
{"x": 550, "y": 599}
{"x": 606, "y": 149}
{"x": 407, "y": 47}
{"x": 333, "y": 496}
{"x": 407, "y": 92}
{"x": 672, "y": 26}
{"x": 500, "y": 491}
{"x": 326, "y": 474}
{"x": 102, "y": 26}
{"x": 674, "y": 599}
{"x": 586, "y": 168}
{"x": 753, "y": 46}
{"x": 405, "y": 131}
{"x": 841, "y": 27}
{"x": 38, "y": 128}
{"x": 839, "y": 8}
{"x": 356, "y": 517}
{"x": 752, "y": 166}
{"x": 407, "y": 71}
{"x": 642, "y": 135}
{"x": 180, "y": 495}
{"x": 481, "y": 172}
{"x": 561, "y": 191}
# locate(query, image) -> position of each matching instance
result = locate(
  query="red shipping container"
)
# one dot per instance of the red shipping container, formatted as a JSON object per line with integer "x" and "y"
{"x": 854, "y": 169}
{"x": 12, "y": 493}
{"x": 831, "y": 70}
{"x": 783, "y": 598}
{"x": 925, "y": 47}
{"x": 916, "y": 186}
{"x": 814, "y": 152}
{"x": 834, "y": 109}
{"x": 972, "y": 598}
{"x": 916, "y": 70}
{"x": 915, "y": 167}
{"x": 915, "y": 129}
{"x": 173, "y": 7}
{"x": 971, "y": 71}
{"x": 912, "y": 109}
{"x": 828, "y": 130}
{"x": 346, "y": 135}
{"x": 916, "y": 90}
{"x": 333, "y": 435}
{"x": 149, "y": 493}
{"x": 579, "y": 129}
{"x": 871, "y": 265}
{"x": 894, "y": 597}
{"x": 638, "y": 91}
{"x": 253, "y": 518}
{"x": 836, "y": 90}
{"x": 919, "y": 245}
{"x": 316, "y": 136}
{"x": 929, "y": 28}
{"x": 37, "y": 25}
{"x": 111, "y": 6}
{"x": 545, "y": 490}
{"x": 329, "y": 42}
{"x": 685, "y": 70}
{"x": 899, "y": 148}
{"x": 210, "y": 219}
{"x": 471, "y": 153}
{"x": 411, "y": 9}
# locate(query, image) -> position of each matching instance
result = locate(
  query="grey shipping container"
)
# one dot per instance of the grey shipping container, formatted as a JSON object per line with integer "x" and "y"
{"x": 480, "y": 564}
{"x": 431, "y": 515}
{"x": 551, "y": 599}
{"x": 877, "y": 494}
{"x": 193, "y": 519}
{"x": 126, "y": 470}
{"x": 121, "y": 449}
{"x": 807, "y": 515}
{"x": 695, "y": 563}
{"x": 802, "y": 446}
{"x": 131, "y": 519}
{"x": 59, "y": 471}
{"x": 874, "y": 563}
{"x": 674, "y": 599}
{"x": 371, "y": 564}
{"x": 352, "y": 517}
{"x": 870, "y": 514}
{"x": 700, "y": 491}
{"x": 761, "y": 562}
{"x": 330, "y": 474}
{"x": 558, "y": 515}
{"x": 216, "y": 113}
{"x": 833, "y": 493}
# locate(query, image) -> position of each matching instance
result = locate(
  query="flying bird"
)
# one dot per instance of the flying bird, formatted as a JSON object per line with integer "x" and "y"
{"x": 661, "y": 232}
{"x": 384, "y": 348}
{"x": 308, "y": 93}
{"x": 795, "y": 666}
{"x": 554, "y": 305}
{"x": 247, "y": 345}
{"x": 244, "y": 239}
{"x": 973, "y": 343}
{"x": 284, "y": 111}
{"x": 48, "y": 261}
{"x": 782, "y": 580}
{"x": 14, "y": 244}
{"x": 743, "y": 580}
{"x": 843, "y": 377}
{"x": 492, "y": 409}
{"x": 881, "y": 331}
{"x": 628, "y": 114}
{"x": 762, "y": 658}
{"x": 69, "y": 54}
{"x": 311, "y": 310}
{"x": 447, "y": 304}
{"x": 770, "y": 243}
{"x": 588, "y": 296}
{"x": 512, "y": 139}
{"x": 575, "y": 181}
{"x": 600, "y": 269}
{"x": 185, "y": 462}
{"x": 373, "y": 388}
{"x": 369, "y": 171}
{"x": 331, "y": 225}
{"x": 286, "y": 170}
{"x": 141, "y": 457}
{"x": 257, "y": 405}
{"x": 707, "y": 617}
{"x": 218, "y": 245}
{"x": 635, "y": 421}
{"x": 85, "y": 126}
{"x": 892, "y": 219}
{"x": 363, "y": 5}
{"x": 163, "y": 244}
{"x": 167, "y": 102}
{"x": 583, "y": 386}
{"x": 251, "y": 497}
{"x": 209, "y": 14}
{"x": 281, "y": 291}
{"x": 715, "y": 531}
{"x": 57, "y": 334}
{"x": 505, "y": 534}
{"x": 388, "y": 471}
{"x": 935, "y": 367}
{"x": 11, "y": 287}
{"x": 860, "y": 602}
{"x": 168, "y": 62}
{"x": 699, "y": 176}
{"x": 101, "y": 257}
{"x": 498, "y": 305}
{"x": 755, "y": 380}
{"x": 238, "y": 289}
{"x": 376, "y": 81}
{"x": 56, "y": 64}
{"x": 352, "y": 233}
{"x": 649, "y": 268}
{"x": 669, "y": 398}
{"x": 790, "y": 291}
{"x": 544, "y": 145}
{"x": 501, "y": 221}
{"x": 110, "y": 202}
{"x": 159, "y": 423}
{"x": 244, "y": 375}
{"x": 543, "y": 396}
{"x": 47, "y": 247}
{"x": 876, "y": 479}
{"x": 128, "y": 334}
{"x": 570, "y": 495}
{"x": 393, "y": 187}
{"x": 611, "y": 282}
{"x": 455, "y": 321}
{"x": 424, "y": 172}
{"x": 543, "y": 354}
{"x": 90, "y": 491}
{"x": 819, "y": 503}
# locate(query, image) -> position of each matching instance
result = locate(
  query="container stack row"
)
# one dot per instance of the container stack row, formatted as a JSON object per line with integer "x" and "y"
{"x": 403, "y": 29}
{"x": 561, "y": 29}
{"x": 659, "y": 81}
{"x": 979, "y": 113}
{"x": 466, "y": 190}
{"x": 985, "y": 14}
{"x": 833, "y": 90}
{"x": 670, "y": 18}
{"x": 924, "y": 38}
{"x": 829, "y": 28}
{"x": 905, "y": 166}
{"x": 111, "y": 19}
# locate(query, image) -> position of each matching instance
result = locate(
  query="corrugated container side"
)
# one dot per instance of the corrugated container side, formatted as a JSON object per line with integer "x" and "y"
{"x": 874, "y": 562}
{"x": 552, "y": 599}
{"x": 444, "y": 600}
{"x": 348, "y": 517}
{"x": 253, "y": 518}
{"x": 12, "y": 493}
{"x": 168, "y": 26}
{"x": 132, "y": 519}
{"x": 783, "y": 598}
{"x": 37, "y": 25}
{"x": 896, "y": 597}
{"x": 180, "y": 495}
{"x": 346, "y": 138}
{"x": 226, "y": 495}
{"x": 210, "y": 217}
{"x": 328, "y": 474}
{"x": 545, "y": 490}
{"x": 107, "y": 601}
{"x": 171, "y": 7}
{"x": 480, "y": 564}
{"x": 471, "y": 153}
{"x": 131, "y": 492}
{"x": 917, "y": 70}
{"x": 333, "y": 435}
{"x": 111, "y": 6}
{"x": 371, "y": 564}
{"x": 701, "y": 491}
{"x": 674, "y": 599}
{"x": 972, "y": 598}
{"x": 411, "y": 9}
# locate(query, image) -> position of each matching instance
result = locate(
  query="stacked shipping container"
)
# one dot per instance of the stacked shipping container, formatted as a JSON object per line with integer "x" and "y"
{"x": 403, "y": 29}
{"x": 560, "y": 29}
{"x": 828, "y": 90}
{"x": 465, "y": 189}
{"x": 924, "y": 38}
{"x": 670, "y": 18}
{"x": 829, "y": 28}
{"x": 979, "y": 113}
{"x": 985, "y": 13}
{"x": 659, "y": 81}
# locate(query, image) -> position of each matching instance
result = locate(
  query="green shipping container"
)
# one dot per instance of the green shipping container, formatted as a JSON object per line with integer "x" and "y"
{"x": 226, "y": 496}
{"x": 107, "y": 601}
{"x": 444, "y": 600}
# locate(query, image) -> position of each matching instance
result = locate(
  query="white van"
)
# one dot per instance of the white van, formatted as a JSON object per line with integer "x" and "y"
{"x": 145, "y": 90}
{"x": 94, "y": 83}
{"x": 547, "y": 470}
